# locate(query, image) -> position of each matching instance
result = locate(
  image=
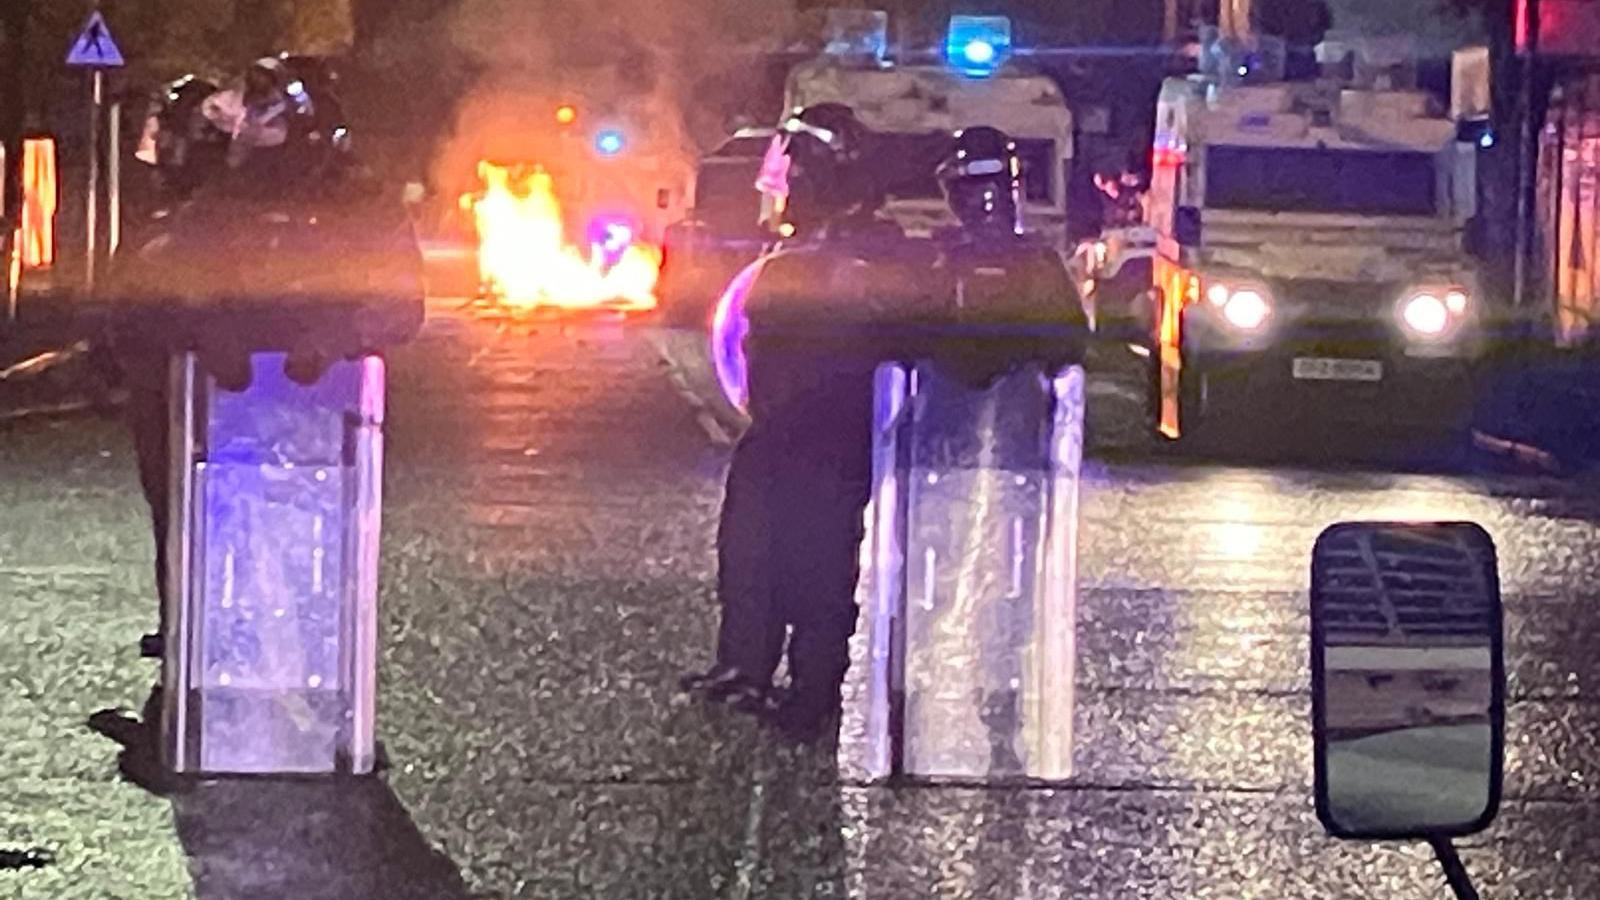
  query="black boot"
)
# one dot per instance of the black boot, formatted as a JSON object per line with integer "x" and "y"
{"x": 729, "y": 686}
{"x": 806, "y": 715}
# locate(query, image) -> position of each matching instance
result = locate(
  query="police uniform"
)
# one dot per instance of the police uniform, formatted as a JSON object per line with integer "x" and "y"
{"x": 1022, "y": 283}
{"x": 820, "y": 318}
{"x": 798, "y": 484}
{"x": 319, "y": 267}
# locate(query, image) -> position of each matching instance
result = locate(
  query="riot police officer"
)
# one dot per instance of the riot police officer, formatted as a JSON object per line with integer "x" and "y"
{"x": 227, "y": 271}
{"x": 181, "y": 145}
{"x": 994, "y": 266}
{"x": 1033, "y": 322}
{"x": 799, "y": 480}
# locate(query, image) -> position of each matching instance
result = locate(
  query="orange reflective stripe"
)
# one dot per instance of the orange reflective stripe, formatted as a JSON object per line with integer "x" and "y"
{"x": 39, "y": 195}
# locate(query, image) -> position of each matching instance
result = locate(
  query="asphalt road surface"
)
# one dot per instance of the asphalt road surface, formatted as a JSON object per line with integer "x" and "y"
{"x": 548, "y": 568}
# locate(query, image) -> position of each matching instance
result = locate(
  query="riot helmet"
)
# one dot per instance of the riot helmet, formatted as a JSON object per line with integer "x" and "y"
{"x": 982, "y": 181}
{"x": 290, "y": 123}
{"x": 313, "y": 89}
{"x": 183, "y": 146}
{"x": 260, "y": 108}
{"x": 265, "y": 82}
{"x": 823, "y": 183}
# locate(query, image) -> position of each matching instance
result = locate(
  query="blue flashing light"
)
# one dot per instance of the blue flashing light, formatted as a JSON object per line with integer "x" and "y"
{"x": 1479, "y": 132}
{"x": 609, "y": 142}
{"x": 978, "y": 45}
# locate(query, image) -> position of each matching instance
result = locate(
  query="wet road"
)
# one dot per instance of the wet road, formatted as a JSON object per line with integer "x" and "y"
{"x": 552, "y": 498}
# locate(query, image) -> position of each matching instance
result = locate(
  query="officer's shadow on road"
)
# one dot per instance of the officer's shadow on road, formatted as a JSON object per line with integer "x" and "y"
{"x": 763, "y": 819}
{"x": 339, "y": 837}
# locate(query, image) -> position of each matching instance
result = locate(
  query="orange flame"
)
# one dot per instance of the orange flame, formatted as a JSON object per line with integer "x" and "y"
{"x": 526, "y": 261}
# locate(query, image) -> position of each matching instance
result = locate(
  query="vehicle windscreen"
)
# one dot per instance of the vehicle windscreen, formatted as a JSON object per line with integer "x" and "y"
{"x": 906, "y": 164}
{"x": 1038, "y": 168}
{"x": 725, "y": 194}
{"x": 1317, "y": 180}
{"x": 917, "y": 182}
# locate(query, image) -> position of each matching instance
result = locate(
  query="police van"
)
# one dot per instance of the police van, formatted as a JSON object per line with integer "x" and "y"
{"x": 912, "y": 103}
{"x": 721, "y": 232}
{"x": 1311, "y": 252}
{"x": 976, "y": 80}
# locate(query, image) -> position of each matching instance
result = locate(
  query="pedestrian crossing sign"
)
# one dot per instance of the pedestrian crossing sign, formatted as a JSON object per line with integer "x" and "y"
{"x": 94, "y": 46}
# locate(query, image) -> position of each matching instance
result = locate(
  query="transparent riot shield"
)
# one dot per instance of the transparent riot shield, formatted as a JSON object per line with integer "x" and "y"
{"x": 969, "y": 597}
{"x": 270, "y": 661}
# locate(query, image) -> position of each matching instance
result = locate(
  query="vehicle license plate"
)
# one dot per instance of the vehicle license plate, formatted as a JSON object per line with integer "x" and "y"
{"x": 1310, "y": 368}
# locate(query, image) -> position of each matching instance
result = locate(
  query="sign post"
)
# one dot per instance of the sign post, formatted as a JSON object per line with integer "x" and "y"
{"x": 96, "y": 50}
{"x": 114, "y": 177}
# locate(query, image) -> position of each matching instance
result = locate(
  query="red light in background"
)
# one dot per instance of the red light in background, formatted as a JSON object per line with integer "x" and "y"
{"x": 1566, "y": 28}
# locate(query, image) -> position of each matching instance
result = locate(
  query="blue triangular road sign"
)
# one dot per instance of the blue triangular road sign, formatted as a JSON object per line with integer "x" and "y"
{"x": 94, "y": 47}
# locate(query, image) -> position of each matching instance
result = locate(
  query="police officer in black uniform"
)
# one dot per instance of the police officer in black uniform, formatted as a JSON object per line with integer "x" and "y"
{"x": 1018, "y": 291}
{"x": 996, "y": 270}
{"x": 798, "y": 484}
{"x": 183, "y": 148}
{"x": 310, "y": 259}
{"x": 792, "y": 519}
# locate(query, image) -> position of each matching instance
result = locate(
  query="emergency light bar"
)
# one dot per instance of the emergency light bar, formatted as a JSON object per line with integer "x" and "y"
{"x": 978, "y": 45}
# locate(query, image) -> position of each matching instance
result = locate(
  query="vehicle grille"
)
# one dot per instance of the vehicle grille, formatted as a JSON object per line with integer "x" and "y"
{"x": 1340, "y": 311}
{"x": 1338, "y": 298}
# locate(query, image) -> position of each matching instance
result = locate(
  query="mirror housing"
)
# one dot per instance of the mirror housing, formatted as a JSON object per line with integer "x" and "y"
{"x": 1186, "y": 226}
{"x": 1407, "y": 680}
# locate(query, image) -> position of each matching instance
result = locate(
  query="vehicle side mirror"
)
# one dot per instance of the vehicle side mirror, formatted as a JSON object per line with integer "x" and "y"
{"x": 1186, "y": 226}
{"x": 1408, "y": 683}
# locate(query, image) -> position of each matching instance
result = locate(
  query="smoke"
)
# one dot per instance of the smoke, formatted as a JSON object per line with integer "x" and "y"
{"x": 666, "y": 73}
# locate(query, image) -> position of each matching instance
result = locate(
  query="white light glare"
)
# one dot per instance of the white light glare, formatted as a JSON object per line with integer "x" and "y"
{"x": 978, "y": 52}
{"x": 1426, "y": 315}
{"x": 1246, "y": 310}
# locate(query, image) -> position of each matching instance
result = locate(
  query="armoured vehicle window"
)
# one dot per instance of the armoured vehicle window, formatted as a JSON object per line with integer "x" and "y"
{"x": 725, "y": 193}
{"x": 1037, "y": 168}
{"x": 1312, "y": 180}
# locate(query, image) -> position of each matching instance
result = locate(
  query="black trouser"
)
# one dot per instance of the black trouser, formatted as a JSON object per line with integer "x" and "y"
{"x": 791, "y": 530}
{"x": 147, "y": 415}
{"x": 145, "y": 375}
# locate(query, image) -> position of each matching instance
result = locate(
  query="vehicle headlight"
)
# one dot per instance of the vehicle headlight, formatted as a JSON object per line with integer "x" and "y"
{"x": 1434, "y": 313}
{"x": 1246, "y": 310}
{"x": 1243, "y": 307}
{"x": 1426, "y": 315}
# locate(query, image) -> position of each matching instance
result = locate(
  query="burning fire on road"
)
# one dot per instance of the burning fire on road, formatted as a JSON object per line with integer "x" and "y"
{"x": 526, "y": 260}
